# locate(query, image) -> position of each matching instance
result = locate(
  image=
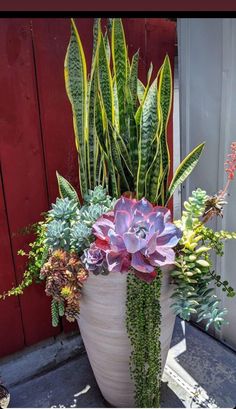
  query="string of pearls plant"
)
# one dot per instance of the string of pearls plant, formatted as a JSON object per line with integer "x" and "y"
{"x": 143, "y": 321}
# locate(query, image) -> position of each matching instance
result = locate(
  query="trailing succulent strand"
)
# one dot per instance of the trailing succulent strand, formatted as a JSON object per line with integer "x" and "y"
{"x": 193, "y": 273}
{"x": 143, "y": 322}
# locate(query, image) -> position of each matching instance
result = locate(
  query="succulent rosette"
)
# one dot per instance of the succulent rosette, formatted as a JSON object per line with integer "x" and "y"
{"x": 136, "y": 235}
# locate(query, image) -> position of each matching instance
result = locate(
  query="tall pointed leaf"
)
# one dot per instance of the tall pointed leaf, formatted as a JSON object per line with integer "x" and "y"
{"x": 92, "y": 146}
{"x": 165, "y": 98}
{"x": 140, "y": 91}
{"x": 116, "y": 158}
{"x": 139, "y": 110}
{"x": 133, "y": 78}
{"x": 66, "y": 189}
{"x": 96, "y": 33}
{"x": 148, "y": 128}
{"x": 99, "y": 126}
{"x": 155, "y": 172}
{"x": 76, "y": 87}
{"x": 105, "y": 82}
{"x": 184, "y": 169}
{"x": 107, "y": 47}
{"x": 133, "y": 137}
{"x": 119, "y": 58}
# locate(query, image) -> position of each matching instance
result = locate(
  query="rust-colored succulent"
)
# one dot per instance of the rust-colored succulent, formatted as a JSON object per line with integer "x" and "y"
{"x": 65, "y": 275}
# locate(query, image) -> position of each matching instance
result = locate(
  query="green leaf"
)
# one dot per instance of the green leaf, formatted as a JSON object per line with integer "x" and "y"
{"x": 140, "y": 91}
{"x": 119, "y": 58}
{"x": 165, "y": 100}
{"x": 96, "y": 33}
{"x": 140, "y": 108}
{"x": 155, "y": 172}
{"x": 66, "y": 189}
{"x": 184, "y": 169}
{"x": 115, "y": 154}
{"x": 105, "y": 82}
{"x": 99, "y": 126}
{"x": 92, "y": 145}
{"x": 148, "y": 128}
{"x": 133, "y": 79}
{"x": 107, "y": 47}
{"x": 75, "y": 72}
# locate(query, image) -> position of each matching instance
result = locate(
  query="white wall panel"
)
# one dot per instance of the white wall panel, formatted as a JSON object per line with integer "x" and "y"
{"x": 207, "y": 75}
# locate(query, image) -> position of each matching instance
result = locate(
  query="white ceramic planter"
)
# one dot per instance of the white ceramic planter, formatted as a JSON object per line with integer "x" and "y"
{"x": 102, "y": 326}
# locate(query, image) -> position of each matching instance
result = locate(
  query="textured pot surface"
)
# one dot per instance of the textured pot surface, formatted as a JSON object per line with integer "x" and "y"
{"x": 102, "y": 326}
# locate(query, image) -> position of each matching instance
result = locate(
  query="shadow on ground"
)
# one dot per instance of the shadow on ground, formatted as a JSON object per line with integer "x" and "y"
{"x": 194, "y": 356}
{"x": 209, "y": 362}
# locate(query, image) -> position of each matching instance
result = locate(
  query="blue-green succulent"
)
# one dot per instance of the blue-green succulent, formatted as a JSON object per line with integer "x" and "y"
{"x": 80, "y": 237}
{"x": 64, "y": 209}
{"x": 70, "y": 227}
{"x": 58, "y": 235}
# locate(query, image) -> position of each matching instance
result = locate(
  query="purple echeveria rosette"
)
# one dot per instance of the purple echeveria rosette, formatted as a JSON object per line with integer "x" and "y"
{"x": 135, "y": 235}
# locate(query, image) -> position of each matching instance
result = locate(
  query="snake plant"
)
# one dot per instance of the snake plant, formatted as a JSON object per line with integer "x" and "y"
{"x": 120, "y": 124}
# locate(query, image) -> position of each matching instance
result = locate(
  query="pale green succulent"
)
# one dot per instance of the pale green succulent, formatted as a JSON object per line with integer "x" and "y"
{"x": 58, "y": 235}
{"x": 80, "y": 237}
{"x": 70, "y": 227}
{"x": 63, "y": 209}
{"x": 193, "y": 273}
{"x": 98, "y": 196}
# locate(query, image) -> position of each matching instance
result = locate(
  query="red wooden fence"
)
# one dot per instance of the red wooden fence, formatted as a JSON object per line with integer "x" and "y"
{"x": 36, "y": 139}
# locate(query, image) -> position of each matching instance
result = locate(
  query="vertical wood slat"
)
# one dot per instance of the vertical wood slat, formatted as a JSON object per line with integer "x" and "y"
{"x": 22, "y": 162}
{"x": 51, "y": 38}
{"x": 11, "y": 333}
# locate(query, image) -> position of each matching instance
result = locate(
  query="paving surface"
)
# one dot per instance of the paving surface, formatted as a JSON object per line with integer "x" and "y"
{"x": 200, "y": 372}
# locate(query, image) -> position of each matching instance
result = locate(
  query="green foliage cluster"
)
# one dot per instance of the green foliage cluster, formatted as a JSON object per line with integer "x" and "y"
{"x": 70, "y": 227}
{"x": 120, "y": 124}
{"x": 143, "y": 322}
{"x": 193, "y": 274}
{"x": 36, "y": 258}
{"x": 216, "y": 239}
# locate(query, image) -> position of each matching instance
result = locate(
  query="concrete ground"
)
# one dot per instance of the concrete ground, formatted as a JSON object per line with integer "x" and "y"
{"x": 200, "y": 372}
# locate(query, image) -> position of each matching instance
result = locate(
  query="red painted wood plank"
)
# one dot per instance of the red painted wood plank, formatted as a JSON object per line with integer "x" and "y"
{"x": 51, "y": 37}
{"x": 11, "y": 334}
{"x": 22, "y": 161}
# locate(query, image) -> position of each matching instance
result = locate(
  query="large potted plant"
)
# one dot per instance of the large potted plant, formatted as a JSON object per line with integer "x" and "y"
{"x": 114, "y": 259}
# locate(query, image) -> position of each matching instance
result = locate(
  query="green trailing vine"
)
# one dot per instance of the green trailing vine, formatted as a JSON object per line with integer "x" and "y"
{"x": 36, "y": 258}
{"x": 143, "y": 321}
{"x": 215, "y": 240}
{"x": 224, "y": 284}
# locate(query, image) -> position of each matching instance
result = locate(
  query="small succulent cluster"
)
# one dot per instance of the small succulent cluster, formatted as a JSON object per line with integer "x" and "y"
{"x": 194, "y": 208}
{"x": 137, "y": 236}
{"x": 68, "y": 233}
{"x": 193, "y": 273}
{"x": 70, "y": 227}
{"x": 65, "y": 276}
